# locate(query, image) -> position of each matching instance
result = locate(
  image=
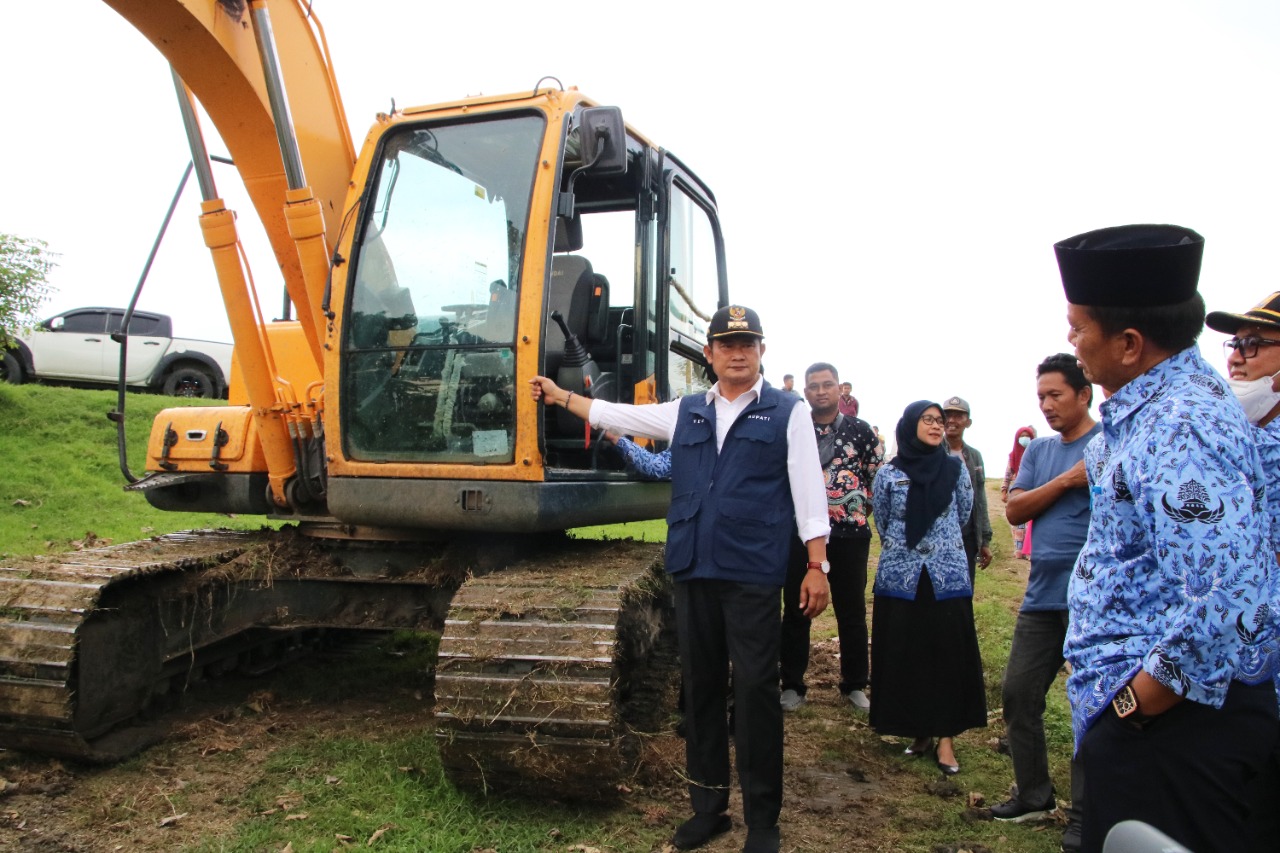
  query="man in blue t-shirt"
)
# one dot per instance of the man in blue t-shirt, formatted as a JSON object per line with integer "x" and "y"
{"x": 1052, "y": 491}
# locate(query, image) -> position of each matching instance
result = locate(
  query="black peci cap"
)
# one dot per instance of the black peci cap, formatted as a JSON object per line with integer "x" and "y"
{"x": 734, "y": 320}
{"x": 1265, "y": 313}
{"x": 1131, "y": 265}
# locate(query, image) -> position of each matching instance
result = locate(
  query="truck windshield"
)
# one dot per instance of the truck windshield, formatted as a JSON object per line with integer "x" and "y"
{"x": 429, "y": 369}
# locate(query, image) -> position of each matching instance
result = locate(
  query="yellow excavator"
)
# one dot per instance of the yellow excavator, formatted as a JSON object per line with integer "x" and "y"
{"x": 463, "y": 249}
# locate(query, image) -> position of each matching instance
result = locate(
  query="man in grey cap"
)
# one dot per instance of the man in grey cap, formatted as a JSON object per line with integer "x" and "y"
{"x": 977, "y": 530}
{"x": 1171, "y": 639}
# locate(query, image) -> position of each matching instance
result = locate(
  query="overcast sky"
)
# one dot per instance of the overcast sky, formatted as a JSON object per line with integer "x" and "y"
{"x": 891, "y": 177}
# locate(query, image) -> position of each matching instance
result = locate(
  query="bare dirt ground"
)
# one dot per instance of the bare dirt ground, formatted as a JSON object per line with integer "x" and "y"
{"x": 45, "y": 805}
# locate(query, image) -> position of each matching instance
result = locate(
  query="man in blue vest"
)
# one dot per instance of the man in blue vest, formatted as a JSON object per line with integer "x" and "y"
{"x": 745, "y": 478}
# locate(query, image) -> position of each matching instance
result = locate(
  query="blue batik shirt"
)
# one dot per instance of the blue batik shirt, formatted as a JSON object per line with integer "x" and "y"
{"x": 940, "y": 552}
{"x": 1177, "y": 574}
{"x": 1268, "y": 441}
{"x": 646, "y": 463}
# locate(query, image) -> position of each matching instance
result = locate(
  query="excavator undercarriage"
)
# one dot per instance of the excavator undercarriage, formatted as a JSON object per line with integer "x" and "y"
{"x": 552, "y": 665}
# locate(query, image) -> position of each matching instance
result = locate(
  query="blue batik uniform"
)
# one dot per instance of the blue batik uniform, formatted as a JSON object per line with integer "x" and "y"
{"x": 940, "y": 552}
{"x": 646, "y": 463}
{"x": 1268, "y": 440}
{"x": 1177, "y": 573}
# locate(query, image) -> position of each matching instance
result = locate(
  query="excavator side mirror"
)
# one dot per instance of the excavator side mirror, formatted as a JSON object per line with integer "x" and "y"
{"x": 604, "y": 141}
{"x": 604, "y": 150}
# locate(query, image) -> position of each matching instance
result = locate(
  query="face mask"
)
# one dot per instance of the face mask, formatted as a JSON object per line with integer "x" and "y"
{"x": 1023, "y": 440}
{"x": 1256, "y": 396}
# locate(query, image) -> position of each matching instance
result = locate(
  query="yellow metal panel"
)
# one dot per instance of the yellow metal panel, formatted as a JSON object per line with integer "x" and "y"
{"x": 292, "y": 359}
{"x": 195, "y": 429}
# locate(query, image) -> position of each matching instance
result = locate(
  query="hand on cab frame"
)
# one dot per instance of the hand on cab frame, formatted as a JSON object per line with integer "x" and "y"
{"x": 552, "y": 394}
{"x": 544, "y": 389}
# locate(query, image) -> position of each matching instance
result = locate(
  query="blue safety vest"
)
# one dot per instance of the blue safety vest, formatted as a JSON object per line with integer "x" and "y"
{"x": 731, "y": 516}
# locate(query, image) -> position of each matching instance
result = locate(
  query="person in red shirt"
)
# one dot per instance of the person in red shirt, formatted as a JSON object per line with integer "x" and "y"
{"x": 848, "y": 402}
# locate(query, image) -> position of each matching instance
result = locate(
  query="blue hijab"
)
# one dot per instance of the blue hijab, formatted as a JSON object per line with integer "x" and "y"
{"x": 933, "y": 473}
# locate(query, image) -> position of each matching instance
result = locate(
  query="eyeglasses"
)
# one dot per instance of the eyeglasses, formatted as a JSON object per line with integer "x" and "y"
{"x": 932, "y": 420}
{"x": 1247, "y": 346}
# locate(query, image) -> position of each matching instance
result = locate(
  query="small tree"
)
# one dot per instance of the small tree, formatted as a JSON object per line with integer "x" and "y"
{"x": 24, "y": 273}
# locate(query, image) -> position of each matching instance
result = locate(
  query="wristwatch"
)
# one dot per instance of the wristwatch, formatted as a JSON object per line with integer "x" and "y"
{"x": 1125, "y": 704}
{"x": 824, "y": 567}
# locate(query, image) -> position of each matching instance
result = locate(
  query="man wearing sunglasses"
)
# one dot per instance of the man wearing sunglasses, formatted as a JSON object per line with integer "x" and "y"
{"x": 1253, "y": 368}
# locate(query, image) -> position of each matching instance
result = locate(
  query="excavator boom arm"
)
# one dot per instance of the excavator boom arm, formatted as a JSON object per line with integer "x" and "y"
{"x": 210, "y": 43}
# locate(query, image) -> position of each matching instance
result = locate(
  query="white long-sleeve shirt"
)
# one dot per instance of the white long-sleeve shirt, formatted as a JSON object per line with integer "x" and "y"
{"x": 804, "y": 469}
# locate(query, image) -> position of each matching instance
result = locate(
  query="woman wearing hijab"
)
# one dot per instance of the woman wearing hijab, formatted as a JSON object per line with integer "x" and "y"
{"x": 926, "y": 672}
{"x": 1021, "y": 439}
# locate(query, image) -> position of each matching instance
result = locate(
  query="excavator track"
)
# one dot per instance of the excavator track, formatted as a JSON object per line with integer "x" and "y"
{"x": 95, "y": 643}
{"x": 552, "y": 665}
{"x": 65, "y": 678}
{"x": 551, "y": 671}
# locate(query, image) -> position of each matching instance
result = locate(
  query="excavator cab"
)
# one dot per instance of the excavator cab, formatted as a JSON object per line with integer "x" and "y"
{"x": 496, "y": 240}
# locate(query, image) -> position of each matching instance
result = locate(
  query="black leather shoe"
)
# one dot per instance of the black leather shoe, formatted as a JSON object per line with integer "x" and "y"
{"x": 762, "y": 840}
{"x": 699, "y": 829}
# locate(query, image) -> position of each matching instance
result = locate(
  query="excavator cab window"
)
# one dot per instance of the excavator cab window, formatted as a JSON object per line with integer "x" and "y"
{"x": 429, "y": 372}
{"x": 693, "y": 291}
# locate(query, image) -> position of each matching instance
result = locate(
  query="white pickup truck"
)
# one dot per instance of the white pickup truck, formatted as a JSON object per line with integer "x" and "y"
{"x": 76, "y": 346}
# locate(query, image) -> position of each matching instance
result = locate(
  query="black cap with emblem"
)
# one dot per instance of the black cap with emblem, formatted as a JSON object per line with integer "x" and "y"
{"x": 734, "y": 320}
{"x": 1265, "y": 313}
{"x": 1131, "y": 265}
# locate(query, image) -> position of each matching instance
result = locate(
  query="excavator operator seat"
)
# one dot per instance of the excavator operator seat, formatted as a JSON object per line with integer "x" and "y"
{"x": 579, "y": 293}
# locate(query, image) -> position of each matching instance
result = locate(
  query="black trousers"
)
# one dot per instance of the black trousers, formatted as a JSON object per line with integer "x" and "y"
{"x": 1035, "y": 656}
{"x": 1188, "y": 773}
{"x": 848, "y": 581}
{"x": 718, "y": 622}
{"x": 1264, "y": 814}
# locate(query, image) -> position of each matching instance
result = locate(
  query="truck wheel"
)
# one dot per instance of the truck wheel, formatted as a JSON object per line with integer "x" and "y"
{"x": 11, "y": 370}
{"x": 190, "y": 382}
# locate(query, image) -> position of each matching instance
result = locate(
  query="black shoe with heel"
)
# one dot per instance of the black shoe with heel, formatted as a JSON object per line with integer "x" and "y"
{"x": 920, "y": 748}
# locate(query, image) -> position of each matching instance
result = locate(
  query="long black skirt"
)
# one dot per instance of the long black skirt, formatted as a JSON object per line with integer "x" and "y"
{"x": 926, "y": 670}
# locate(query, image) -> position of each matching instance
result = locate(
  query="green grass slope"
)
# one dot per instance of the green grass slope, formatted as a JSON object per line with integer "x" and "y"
{"x": 60, "y": 480}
